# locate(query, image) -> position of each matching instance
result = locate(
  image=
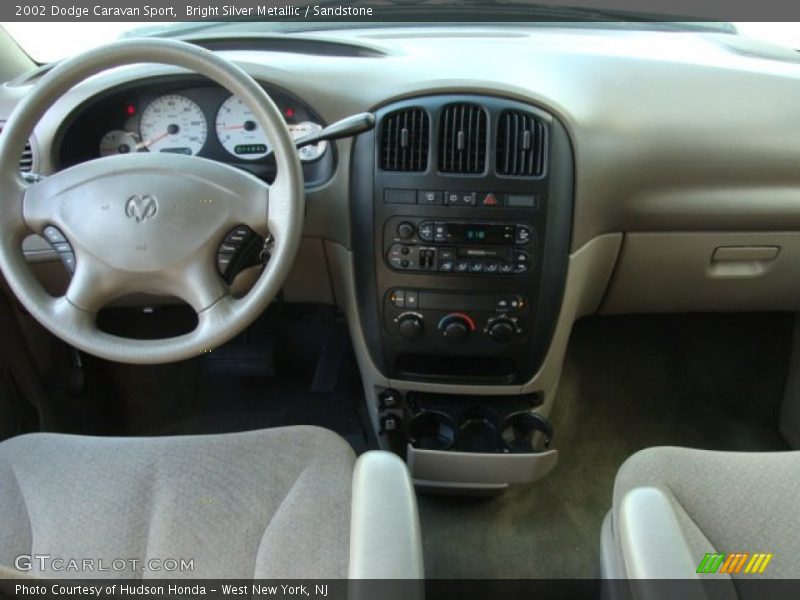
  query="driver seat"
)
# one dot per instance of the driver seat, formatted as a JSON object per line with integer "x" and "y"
{"x": 284, "y": 503}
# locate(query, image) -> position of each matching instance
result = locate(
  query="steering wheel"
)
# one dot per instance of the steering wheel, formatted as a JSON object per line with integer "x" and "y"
{"x": 149, "y": 223}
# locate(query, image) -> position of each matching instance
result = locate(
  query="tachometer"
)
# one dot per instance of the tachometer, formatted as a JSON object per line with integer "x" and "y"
{"x": 238, "y": 131}
{"x": 118, "y": 142}
{"x": 173, "y": 123}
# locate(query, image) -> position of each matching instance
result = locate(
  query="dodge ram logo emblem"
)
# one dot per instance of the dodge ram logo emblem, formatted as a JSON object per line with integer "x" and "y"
{"x": 141, "y": 208}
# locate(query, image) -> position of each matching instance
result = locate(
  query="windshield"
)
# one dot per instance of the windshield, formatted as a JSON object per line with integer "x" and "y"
{"x": 47, "y": 42}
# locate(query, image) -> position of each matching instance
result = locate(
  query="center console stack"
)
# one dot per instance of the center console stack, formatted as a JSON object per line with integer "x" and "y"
{"x": 462, "y": 209}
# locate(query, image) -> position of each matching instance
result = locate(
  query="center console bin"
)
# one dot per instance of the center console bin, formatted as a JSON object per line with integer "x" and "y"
{"x": 475, "y": 441}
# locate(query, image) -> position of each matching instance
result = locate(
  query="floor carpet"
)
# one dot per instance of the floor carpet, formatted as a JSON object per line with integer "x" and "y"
{"x": 701, "y": 381}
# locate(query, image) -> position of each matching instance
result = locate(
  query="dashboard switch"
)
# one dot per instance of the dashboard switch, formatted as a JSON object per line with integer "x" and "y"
{"x": 398, "y": 298}
{"x": 490, "y": 200}
{"x": 390, "y": 423}
{"x": 424, "y": 197}
{"x": 388, "y": 399}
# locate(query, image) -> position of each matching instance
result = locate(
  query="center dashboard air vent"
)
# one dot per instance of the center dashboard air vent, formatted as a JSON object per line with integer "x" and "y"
{"x": 520, "y": 147}
{"x": 405, "y": 141}
{"x": 462, "y": 139}
{"x": 26, "y": 160}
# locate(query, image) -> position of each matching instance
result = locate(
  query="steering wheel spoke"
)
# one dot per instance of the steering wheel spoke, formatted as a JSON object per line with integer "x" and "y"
{"x": 15, "y": 190}
{"x": 200, "y": 285}
{"x": 93, "y": 285}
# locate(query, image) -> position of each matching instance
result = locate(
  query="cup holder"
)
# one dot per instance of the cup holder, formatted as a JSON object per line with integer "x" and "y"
{"x": 477, "y": 430}
{"x": 432, "y": 430}
{"x": 526, "y": 432}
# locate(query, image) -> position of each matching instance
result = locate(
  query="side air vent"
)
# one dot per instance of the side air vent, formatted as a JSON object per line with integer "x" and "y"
{"x": 462, "y": 139}
{"x": 405, "y": 141}
{"x": 26, "y": 160}
{"x": 520, "y": 145}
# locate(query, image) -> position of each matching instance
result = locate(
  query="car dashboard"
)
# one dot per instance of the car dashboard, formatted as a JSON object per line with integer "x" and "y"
{"x": 545, "y": 174}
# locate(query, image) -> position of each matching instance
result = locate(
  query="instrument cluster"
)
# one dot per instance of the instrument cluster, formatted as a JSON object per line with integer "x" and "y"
{"x": 196, "y": 118}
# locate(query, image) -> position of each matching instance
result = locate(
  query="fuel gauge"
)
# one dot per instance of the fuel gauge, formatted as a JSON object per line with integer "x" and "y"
{"x": 313, "y": 151}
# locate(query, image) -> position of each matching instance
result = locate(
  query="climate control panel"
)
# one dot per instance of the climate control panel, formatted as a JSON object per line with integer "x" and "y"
{"x": 456, "y": 319}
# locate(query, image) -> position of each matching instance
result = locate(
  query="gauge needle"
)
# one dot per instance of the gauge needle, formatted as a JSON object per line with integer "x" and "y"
{"x": 151, "y": 141}
{"x": 233, "y": 126}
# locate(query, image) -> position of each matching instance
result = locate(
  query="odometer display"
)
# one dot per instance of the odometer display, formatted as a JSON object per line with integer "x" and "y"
{"x": 238, "y": 131}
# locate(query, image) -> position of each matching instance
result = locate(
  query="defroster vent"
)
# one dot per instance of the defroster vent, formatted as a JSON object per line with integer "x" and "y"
{"x": 520, "y": 145}
{"x": 462, "y": 139}
{"x": 405, "y": 140}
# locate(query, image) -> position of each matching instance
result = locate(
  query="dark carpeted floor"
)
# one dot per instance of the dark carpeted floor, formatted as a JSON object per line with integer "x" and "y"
{"x": 702, "y": 381}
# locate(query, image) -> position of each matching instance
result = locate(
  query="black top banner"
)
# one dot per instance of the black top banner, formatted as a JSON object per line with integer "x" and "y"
{"x": 366, "y": 11}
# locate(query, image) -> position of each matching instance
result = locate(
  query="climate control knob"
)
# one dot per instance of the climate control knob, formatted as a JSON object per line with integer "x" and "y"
{"x": 456, "y": 327}
{"x": 410, "y": 325}
{"x": 502, "y": 331}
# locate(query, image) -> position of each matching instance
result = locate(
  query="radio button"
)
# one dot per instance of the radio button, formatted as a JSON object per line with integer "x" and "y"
{"x": 461, "y": 266}
{"x": 447, "y": 254}
{"x": 405, "y": 230}
{"x": 425, "y": 231}
{"x": 476, "y": 266}
{"x": 492, "y": 267}
{"x": 523, "y": 234}
{"x": 506, "y": 267}
{"x": 446, "y": 266}
{"x": 440, "y": 232}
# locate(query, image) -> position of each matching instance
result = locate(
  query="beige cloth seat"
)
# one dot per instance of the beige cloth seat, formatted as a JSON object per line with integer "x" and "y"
{"x": 673, "y": 505}
{"x": 275, "y": 503}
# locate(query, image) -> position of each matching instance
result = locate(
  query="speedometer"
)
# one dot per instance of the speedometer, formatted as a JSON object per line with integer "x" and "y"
{"x": 238, "y": 131}
{"x": 173, "y": 123}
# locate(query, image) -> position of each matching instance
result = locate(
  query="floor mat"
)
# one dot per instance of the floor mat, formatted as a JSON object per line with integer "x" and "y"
{"x": 267, "y": 377}
{"x": 702, "y": 381}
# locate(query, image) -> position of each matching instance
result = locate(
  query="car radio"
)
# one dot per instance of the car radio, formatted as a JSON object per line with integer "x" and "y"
{"x": 460, "y": 247}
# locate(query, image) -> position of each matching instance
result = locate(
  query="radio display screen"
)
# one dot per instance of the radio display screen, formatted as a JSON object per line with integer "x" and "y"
{"x": 477, "y": 233}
